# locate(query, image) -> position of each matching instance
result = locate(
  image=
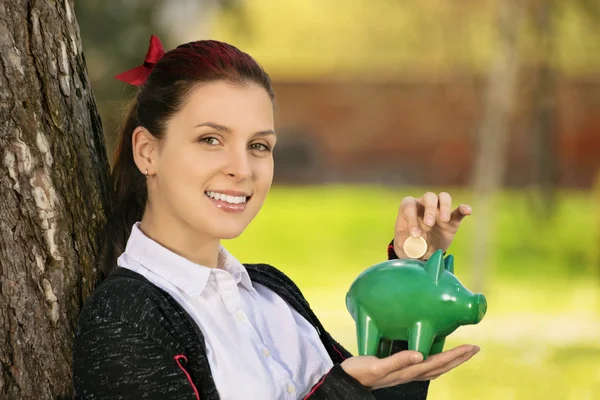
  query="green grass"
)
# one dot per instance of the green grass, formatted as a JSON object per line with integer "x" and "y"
{"x": 348, "y": 228}
{"x": 541, "y": 336}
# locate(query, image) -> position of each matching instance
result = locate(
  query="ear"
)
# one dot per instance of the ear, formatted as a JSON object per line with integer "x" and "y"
{"x": 144, "y": 146}
{"x": 449, "y": 262}
{"x": 435, "y": 266}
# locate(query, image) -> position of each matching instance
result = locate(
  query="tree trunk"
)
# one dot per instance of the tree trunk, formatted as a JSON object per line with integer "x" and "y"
{"x": 53, "y": 195}
{"x": 544, "y": 115}
{"x": 490, "y": 163}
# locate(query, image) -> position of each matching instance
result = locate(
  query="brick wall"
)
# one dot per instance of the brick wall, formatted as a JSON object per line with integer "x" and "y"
{"x": 422, "y": 132}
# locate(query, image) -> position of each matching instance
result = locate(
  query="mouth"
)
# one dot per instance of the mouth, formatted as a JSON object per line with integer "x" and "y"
{"x": 228, "y": 200}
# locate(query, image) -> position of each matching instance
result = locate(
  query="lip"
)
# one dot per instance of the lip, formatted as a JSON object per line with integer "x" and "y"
{"x": 231, "y": 192}
{"x": 228, "y": 207}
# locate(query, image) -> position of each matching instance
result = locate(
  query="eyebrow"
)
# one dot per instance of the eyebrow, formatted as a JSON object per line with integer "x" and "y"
{"x": 223, "y": 128}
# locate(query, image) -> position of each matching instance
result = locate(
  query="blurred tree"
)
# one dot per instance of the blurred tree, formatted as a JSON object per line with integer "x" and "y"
{"x": 494, "y": 130}
{"x": 543, "y": 75}
{"x": 53, "y": 195}
{"x": 544, "y": 16}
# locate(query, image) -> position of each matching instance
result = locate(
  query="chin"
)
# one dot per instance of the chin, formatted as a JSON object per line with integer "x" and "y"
{"x": 228, "y": 229}
{"x": 230, "y": 234}
{"x": 220, "y": 225}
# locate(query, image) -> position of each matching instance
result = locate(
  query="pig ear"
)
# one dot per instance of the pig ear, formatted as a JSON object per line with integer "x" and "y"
{"x": 435, "y": 266}
{"x": 449, "y": 262}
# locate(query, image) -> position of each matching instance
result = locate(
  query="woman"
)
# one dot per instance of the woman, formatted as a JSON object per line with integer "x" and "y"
{"x": 179, "y": 317}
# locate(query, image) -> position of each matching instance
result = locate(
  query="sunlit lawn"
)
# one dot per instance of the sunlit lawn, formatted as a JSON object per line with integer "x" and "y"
{"x": 541, "y": 336}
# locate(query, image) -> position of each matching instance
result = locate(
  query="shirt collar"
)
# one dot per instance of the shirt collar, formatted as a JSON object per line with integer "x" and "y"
{"x": 179, "y": 271}
{"x": 237, "y": 270}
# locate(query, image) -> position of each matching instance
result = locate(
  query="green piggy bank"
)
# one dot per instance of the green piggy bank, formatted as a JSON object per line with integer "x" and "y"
{"x": 411, "y": 300}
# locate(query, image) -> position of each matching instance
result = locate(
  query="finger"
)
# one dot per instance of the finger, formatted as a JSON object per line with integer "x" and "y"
{"x": 427, "y": 370}
{"x": 445, "y": 206}
{"x": 460, "y": 213}
{"x": 397, "y": 368}
{"x": 453, "y": 364}
{"x": 399, "y": 361}
{"x": 408, "y": 209}
{"x": 430, "y": 202}
{"x": 442, "y": 359}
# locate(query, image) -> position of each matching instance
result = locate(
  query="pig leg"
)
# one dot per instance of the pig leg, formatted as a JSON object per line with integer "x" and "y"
{"x": 420, "y": 338}
{"x": 437, "y": 346}
{"x": 385, "y": 348}
{"x": 367, "y": 334}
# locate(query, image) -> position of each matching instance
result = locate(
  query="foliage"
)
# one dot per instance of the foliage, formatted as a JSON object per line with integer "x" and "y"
{"x": 383, "y": 39}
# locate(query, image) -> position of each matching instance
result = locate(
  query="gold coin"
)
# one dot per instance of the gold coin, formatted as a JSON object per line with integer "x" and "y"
{"x": 415, "y": 247}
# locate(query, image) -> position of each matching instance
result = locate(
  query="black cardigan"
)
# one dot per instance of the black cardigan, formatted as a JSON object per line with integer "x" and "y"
{"x": 134, "y": 341}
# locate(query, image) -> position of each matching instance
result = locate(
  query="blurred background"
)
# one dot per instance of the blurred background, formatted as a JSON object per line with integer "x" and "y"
{"x": 497, "y": 102}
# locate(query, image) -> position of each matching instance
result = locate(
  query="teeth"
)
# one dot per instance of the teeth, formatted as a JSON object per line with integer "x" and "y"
{"x": 227, "y": 198}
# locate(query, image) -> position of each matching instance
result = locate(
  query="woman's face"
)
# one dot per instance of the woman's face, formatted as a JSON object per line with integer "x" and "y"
{"x": 214, "y": 167}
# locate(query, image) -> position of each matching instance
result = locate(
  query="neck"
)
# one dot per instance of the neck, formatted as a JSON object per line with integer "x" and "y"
{"x": 181, "y": 239}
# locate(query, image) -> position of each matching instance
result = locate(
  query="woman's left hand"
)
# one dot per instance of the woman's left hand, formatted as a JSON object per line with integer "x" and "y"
{"x": 430, "y": 216}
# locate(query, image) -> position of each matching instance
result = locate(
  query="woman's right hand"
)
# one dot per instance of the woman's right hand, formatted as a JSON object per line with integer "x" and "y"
{"x": 405, "y": 366}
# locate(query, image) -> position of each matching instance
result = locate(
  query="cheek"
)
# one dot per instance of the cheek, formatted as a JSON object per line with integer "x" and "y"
{"x": 263, "y": 173}
{"x": 181, "y": 178}
{"x": 191, "y": 166}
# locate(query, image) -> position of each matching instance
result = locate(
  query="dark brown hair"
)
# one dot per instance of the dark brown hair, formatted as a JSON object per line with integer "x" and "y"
{"x": 159, "y": 98}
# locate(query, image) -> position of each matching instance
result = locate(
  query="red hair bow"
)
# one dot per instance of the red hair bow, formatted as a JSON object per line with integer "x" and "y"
{"x": 138, "y": 75}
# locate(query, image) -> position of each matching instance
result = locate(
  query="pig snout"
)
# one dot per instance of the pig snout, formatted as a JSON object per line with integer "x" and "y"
{"x": 480, "y": 308}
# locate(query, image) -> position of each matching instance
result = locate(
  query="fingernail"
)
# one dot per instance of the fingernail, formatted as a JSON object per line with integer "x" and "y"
{"x": 445, "y": 216}
{"x": 468, "y": 209}
{"x": 416, "y": 358}
{"x": 429, "y": 220}
{"x": 414, "y": 232}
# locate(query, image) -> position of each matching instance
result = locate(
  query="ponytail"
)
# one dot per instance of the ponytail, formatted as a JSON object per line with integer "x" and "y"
{"x": 128, "y": 193}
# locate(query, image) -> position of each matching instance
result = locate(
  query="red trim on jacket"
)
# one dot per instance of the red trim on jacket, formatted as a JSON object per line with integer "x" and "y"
{"x": 337, "y": 351}
{"x": 177, "y": 358}
{"x": 314, "y": 389}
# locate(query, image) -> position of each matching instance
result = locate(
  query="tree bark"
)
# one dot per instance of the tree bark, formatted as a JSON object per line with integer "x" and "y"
{"x": 53, "y": 195}
{"x": 494, "y": 132}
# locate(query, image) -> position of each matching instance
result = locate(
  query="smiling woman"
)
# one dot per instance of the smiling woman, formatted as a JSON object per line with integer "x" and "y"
{"x": 178, "y": 316}
{"x": 229, "y": 153}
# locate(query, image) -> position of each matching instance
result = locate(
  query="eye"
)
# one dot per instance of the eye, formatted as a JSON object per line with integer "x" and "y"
{"x": 210, "y": 140}
{"x": 259, "y": 147}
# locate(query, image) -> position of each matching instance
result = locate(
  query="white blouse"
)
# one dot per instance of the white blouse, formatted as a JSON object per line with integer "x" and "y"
{"x": 257, "y": 345}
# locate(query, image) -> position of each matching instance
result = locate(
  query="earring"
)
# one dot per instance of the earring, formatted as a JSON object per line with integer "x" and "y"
{"x": 146, "y": 173}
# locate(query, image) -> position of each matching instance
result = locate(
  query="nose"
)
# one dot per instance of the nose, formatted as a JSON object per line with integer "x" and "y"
{"x": 238, "y": 166}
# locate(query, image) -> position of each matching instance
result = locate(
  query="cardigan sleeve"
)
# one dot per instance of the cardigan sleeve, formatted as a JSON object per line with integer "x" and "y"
{"x": 390, "y": 251}
{"x": 114, "y": 360}
{"x": 338, "y": 385}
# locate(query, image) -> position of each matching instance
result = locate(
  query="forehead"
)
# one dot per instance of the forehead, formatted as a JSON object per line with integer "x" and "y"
{"x": 248, "y": 106}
